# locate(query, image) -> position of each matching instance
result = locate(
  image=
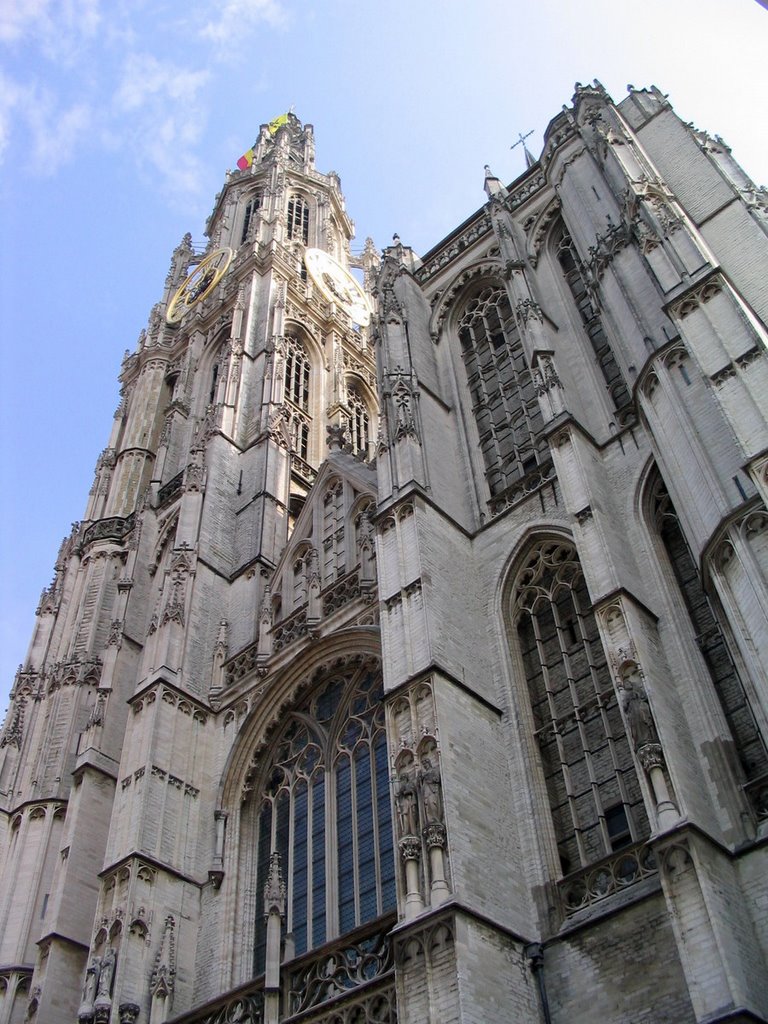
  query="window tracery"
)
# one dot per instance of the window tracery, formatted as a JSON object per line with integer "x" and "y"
{"x": 726, "y": 679}
{"x": 297, "y": 394}
{"x": 359, "y": 422}
{"x": 504, "y": 400}
{"x": 253, "y": 204}
{"x": 298, "y": 219}
{"x": 333, "y": 532}
{"x": 325, "y": 808}
{"x": 594, "y": 793}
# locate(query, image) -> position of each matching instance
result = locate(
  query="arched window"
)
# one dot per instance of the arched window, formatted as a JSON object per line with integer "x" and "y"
{"x": 749, "y": 743}
{"x": 253, "y": 204}
{"x": 575, "y": 279}
{"x": 297, "y": 383}
{"x": 296, "y": 374}
{"x": 593, "y": 789}
{"x": 359, "y": 422}
{"x": 325, "y": 808}
{"x": 333, "y": 532}
{"x": 298, "y": 219}
{"x": 504, "y": 400}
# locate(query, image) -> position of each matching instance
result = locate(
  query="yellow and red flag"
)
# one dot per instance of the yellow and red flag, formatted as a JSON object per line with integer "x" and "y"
{"x": 245, "y": 160}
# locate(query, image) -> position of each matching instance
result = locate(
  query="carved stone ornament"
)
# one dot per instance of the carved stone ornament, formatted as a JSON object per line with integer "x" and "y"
{"x": 128, "y": 1012}
{"x": 274, "y": 890}
{"x": 650, "y": 756}
{"x": 410, "y": 848}
{"x": 435, "y": 835}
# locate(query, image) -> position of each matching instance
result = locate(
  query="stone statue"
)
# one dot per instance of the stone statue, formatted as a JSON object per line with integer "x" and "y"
{"x": 90, "y": 986}
{"x": 106, "y": 974}
{"x": 431, "y": 794}
{"x": 638, "y": 715}
{"x": 406, "y": 802}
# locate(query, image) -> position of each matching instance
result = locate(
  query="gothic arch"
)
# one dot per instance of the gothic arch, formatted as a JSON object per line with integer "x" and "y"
{"x": 497, "y": 386}
{"x": 349, "y": 659}
{"x": 459, "y": 289}
{"x": 700, "y": 617}
{"x": 584, "y": 772}
{"x": 345, "y": 646}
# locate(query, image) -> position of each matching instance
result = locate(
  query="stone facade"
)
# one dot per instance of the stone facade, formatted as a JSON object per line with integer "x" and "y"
{"x": 413, "y": 670}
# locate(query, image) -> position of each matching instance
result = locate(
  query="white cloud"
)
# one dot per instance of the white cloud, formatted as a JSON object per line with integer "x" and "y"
{"x": 21, "y": 17}
{"x": 145, "y": 78}
{"x": 237, "y": 17}
{"x": 60, "y": 29}
{"x": 54, "y": 129}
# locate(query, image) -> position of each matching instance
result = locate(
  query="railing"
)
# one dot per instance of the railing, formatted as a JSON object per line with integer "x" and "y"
{"x": 243, "y": 1006}
{"x": 113, "y": 528}
{"x": 241, "y": 664}
{"x": 609, "y": 876}
{"x": 339, "y": 971}
{"x": 543, "y": 474}
{"x": 341, "y": 592}
{"x": 169, "y": 490}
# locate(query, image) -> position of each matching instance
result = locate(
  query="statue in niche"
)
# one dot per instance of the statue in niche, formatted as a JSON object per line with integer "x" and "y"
{"x": 106, "y": 974}
{"x": 406, "y": 804}
{"x": 90, "y": 986}
{"x": 637, "y": 712}
{"x": 429, "y": 779}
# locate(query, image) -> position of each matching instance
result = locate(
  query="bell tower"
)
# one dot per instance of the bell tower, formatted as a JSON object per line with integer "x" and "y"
{"x": 245, "y": 365}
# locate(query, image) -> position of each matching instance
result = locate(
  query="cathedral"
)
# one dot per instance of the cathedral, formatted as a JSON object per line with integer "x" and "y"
{"x": 408, "y": 664}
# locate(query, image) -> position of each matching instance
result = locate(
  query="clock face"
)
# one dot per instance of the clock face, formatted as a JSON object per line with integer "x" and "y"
{"x": 199, "y": 284}
{"x": 338, "y": 285}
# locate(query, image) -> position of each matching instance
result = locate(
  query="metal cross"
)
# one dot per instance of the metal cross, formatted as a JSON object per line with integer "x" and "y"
{"x": 521, "y": 139}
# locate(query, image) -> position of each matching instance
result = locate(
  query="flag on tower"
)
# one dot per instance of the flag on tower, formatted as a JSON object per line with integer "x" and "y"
{"x": 277, "y": 123}
{"x": 245, "y": 160}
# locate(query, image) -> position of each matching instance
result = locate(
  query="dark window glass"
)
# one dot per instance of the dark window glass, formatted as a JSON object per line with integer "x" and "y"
{"x": 585, "y": 754}
{"x": 504, "y": 401}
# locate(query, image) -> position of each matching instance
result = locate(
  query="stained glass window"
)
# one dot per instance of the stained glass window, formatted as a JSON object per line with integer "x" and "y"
{"x": 325, "y": 808}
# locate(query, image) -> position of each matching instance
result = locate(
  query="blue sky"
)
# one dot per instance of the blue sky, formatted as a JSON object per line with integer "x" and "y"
{"x": 118, "y": 119}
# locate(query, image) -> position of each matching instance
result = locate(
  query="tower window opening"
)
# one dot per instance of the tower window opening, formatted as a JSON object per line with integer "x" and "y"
{"x": 296, "y": 374}
{"x": 251, "y": 207}
{"x": 359, "y": 423}
{"x": 298, "y": 219}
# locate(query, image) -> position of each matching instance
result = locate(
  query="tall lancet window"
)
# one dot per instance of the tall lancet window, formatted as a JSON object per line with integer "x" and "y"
{"x": 359, "y": 423}
{"x": 726, "y": 679}
{"x": 298, "y": 219}
{"x": 297, "y": 384}
{"x": 325, "y": 808}
{"x": 503, "y": 397}
{"x": 593, "y": 789}
{"x": 575, "y": 278}
{"x": 253, "y": 204}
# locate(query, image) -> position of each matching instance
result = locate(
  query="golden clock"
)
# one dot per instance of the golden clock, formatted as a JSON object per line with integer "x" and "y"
{"x": 199, "y": 284}
{"x": 338, "y": 285}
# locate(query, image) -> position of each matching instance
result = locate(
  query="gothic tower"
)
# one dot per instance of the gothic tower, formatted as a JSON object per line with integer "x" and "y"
{"x": 408, "y": 664}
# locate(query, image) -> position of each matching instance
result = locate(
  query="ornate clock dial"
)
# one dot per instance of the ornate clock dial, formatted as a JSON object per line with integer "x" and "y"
{"x": 338, "y": 285}
{"x": 200, "y": 283}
